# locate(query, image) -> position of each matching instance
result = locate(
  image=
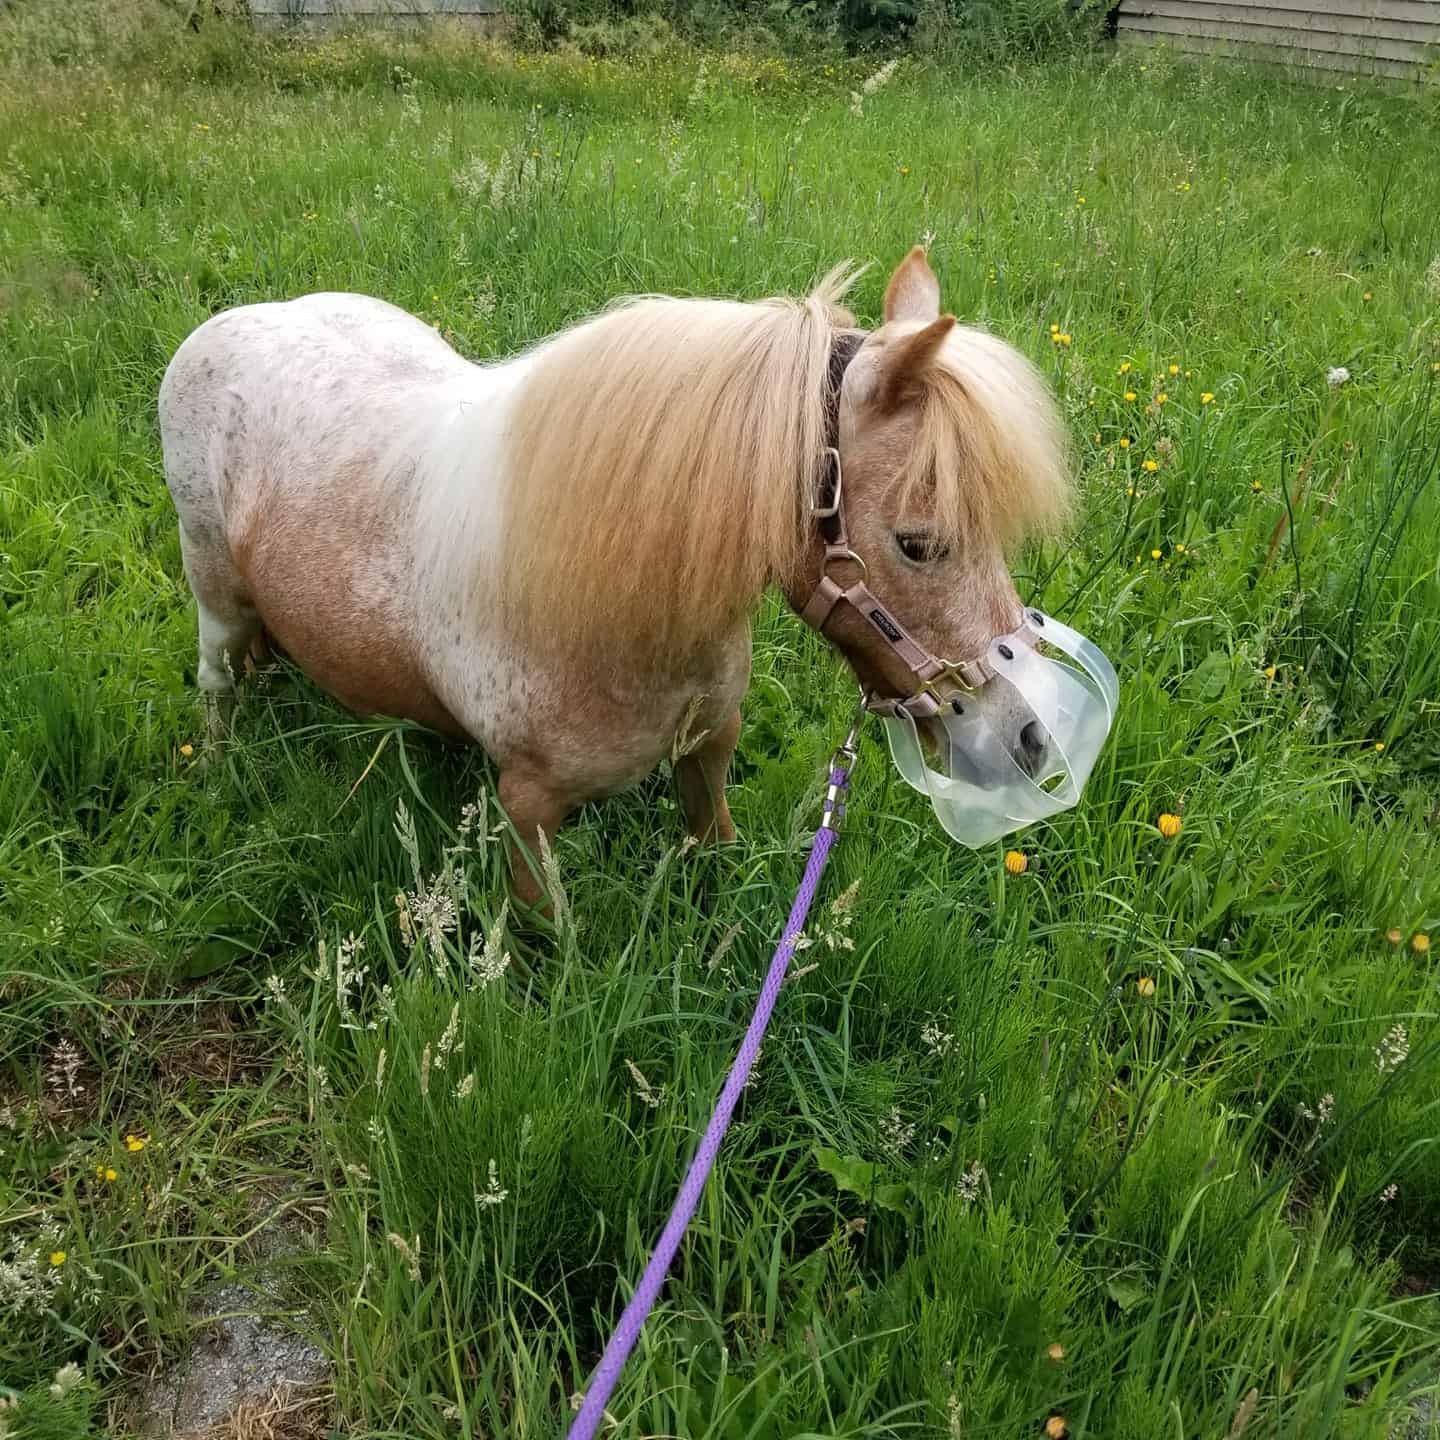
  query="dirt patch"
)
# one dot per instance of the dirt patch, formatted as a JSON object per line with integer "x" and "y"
{"x": 248, "y": 1376}
{"x": 1425, "y": 1423}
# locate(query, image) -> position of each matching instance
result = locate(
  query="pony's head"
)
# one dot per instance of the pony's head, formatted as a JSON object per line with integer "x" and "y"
{"x": 950, "y": 452}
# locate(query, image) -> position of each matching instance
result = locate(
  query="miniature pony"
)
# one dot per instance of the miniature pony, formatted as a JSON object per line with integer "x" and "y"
{"x": 557, "y": 556}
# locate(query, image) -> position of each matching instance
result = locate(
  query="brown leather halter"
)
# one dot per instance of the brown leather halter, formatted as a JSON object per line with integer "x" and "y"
{"x": 939, "y": 681}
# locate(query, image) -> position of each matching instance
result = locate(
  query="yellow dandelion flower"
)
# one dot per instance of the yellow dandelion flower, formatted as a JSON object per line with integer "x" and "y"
{"x": 1420, "y": 942}
{"x": 1161, "y": 398}
{"x": 1055, "y": 1351}
{"x": 136, "y": 1143}
{"x": 1124, "y": 442}
{"x": 1168, "y": 825}
{"x": 58, "y": 1258}
{"x": 1056, "y": 1428}
{"x": 1130, "y": 495}
{"x": 1174, "y": 369}
{"x": 1152, "y": 466}
{"x": 1269, "y": 672}
{"x": 1393, "y": 935}
{"x": 1179, "y": 549}
{"x": 187, "y": 749}
{"x": 1379, "y": 747}
{"x": 1155, "y": 554}
{"x": 1016, "y": 862}
{"x": 1079, "y": 199}
{"x": 1130, "y": 395}
{"x": 1054, "y": 328}
{"x": 1124, "y": 368}
{"x": 1064, "y": 338}
{"x": 904, "y": 169}
{"x": 1207, "y": 397}
{"x": 1145, "y": 986}
{"x": 1256, "y": 486}
{"x": 109, "y": 1174}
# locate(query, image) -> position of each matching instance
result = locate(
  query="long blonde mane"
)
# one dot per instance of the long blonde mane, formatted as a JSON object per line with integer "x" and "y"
{"x": 660, "y": 459}
{"x": 663, "y": 457}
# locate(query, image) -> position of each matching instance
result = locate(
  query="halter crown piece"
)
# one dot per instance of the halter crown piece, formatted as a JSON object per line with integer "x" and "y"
{"x": 966, "y": 756}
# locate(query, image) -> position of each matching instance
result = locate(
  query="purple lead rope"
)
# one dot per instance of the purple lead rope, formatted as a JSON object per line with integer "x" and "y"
{"x": 622, "y": 1342}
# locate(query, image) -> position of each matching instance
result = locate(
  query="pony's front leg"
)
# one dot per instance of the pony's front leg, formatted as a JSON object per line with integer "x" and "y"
{"x": 533, "y": 805}
{"x": 701, "y": 778}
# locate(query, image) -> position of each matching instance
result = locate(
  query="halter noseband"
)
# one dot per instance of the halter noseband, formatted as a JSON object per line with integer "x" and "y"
{"x": 930, "y": 671}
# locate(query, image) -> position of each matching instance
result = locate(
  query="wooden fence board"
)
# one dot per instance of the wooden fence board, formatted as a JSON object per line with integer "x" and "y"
{"x": 1300, "y": 61}
{"x": 1397, "y": 38}
{"x": 1294, "y": 17}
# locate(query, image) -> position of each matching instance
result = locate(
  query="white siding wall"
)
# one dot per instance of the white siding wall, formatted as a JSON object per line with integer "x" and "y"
{"x": 1378, "y": 37}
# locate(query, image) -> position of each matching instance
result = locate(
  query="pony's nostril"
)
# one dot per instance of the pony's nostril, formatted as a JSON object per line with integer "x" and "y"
{"x": 1033, "y": 740}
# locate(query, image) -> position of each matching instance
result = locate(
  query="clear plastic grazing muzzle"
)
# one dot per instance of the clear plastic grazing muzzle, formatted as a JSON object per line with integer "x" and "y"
{"x": 1019, "y": 749}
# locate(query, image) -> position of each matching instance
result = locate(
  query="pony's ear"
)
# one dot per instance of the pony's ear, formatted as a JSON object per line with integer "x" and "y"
{"x": 913, "y": 292}
{"x": 903, "y": 364}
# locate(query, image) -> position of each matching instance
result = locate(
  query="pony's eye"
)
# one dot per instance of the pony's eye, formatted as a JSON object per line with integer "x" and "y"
{"x": 920, "y": 547}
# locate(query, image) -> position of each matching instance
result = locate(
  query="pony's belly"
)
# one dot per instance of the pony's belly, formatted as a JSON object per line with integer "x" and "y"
{"x": 365, "y": 672}
{"x": 340, "y": 609}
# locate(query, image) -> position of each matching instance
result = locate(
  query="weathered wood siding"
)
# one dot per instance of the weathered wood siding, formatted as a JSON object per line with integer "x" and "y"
{"x": 343, "y": 12}
{"x": 1378, "y": 37}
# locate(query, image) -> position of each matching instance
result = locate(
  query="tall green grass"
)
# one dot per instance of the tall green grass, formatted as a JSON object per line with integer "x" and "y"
{"x": 983, "y": 1176}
